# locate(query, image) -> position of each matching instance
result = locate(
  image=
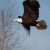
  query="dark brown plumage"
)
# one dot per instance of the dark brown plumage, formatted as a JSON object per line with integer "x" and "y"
{"x": 31, "y": 14}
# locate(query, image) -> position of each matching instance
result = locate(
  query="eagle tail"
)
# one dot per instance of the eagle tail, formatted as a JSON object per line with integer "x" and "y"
{"x": 42, "y": 24}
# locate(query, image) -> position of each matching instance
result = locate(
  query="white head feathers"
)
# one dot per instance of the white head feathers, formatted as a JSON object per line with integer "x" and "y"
{"x": 19, "y": 20}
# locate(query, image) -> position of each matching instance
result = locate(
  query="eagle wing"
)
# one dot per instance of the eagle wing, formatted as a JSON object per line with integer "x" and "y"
{"x": 31, "y": 14}
{"x": 31, "y": 9}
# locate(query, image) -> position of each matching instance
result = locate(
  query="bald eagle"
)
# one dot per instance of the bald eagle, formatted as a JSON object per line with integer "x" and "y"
{"x": 31, "y": 15}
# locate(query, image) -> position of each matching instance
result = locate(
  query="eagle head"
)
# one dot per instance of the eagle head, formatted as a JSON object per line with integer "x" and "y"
{"x": 18, "y": 20}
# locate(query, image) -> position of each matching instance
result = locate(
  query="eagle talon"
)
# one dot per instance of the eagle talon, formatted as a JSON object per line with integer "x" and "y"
{"x": 38, "y": 24}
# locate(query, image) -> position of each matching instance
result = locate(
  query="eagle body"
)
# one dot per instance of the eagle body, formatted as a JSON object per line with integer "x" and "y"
{"x": 31, "y": 15}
